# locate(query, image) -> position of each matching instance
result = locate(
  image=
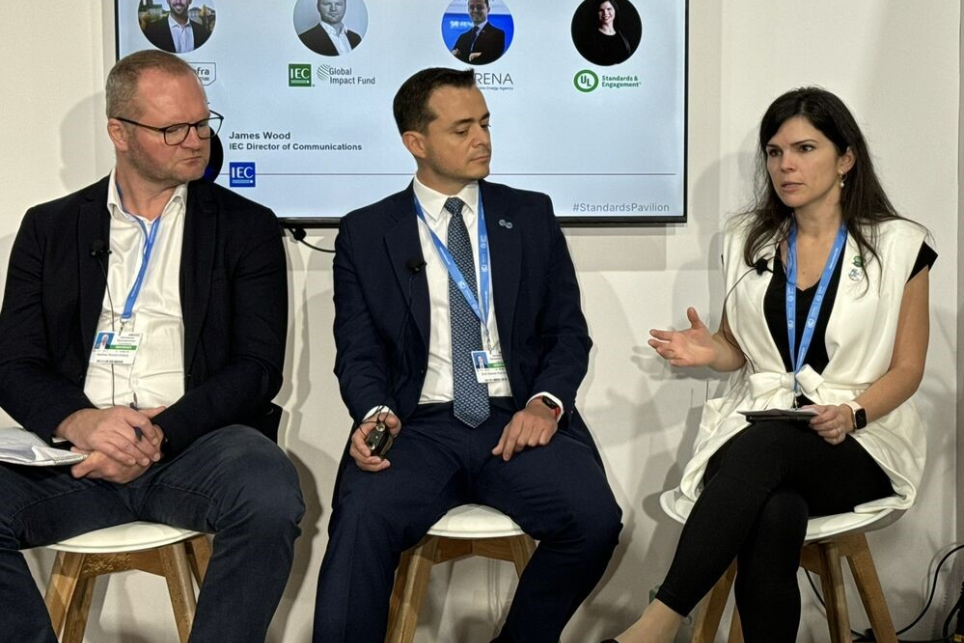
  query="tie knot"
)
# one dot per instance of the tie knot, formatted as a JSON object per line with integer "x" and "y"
{"x": 454, "y": 206}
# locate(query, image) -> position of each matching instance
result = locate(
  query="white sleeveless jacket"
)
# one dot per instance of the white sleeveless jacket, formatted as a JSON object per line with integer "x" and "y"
{"x": 860, "y": 342}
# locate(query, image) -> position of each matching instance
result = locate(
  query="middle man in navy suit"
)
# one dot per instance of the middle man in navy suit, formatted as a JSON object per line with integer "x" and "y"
{"x": 427, "y": 282}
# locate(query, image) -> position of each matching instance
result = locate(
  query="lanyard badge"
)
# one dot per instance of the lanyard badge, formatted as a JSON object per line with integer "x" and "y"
{"x": 797, "y": 357}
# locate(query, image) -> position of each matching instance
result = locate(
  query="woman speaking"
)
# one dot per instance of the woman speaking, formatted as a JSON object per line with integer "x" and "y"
{"x": 826, "y": 310}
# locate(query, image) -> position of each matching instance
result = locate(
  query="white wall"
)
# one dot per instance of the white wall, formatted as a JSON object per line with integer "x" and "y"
{"x": 897, "y": 64}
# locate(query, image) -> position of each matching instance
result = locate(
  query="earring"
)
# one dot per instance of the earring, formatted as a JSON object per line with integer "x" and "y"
{"x": 842, "y": 182}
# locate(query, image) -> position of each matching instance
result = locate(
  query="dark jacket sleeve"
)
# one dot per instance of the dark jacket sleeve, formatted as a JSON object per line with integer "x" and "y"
{"x": 33, "y": 390}
{"x": 361, "y": 364}
{"x": 562, "y": 333}
{"x": 237, "y": 369}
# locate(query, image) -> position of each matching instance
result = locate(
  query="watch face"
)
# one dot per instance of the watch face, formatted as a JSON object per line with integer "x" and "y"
{"x": 860, "y": 418}
{"x": 548, "y": 402}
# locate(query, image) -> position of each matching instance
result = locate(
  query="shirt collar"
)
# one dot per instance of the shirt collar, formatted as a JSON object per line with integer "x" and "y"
{"x": 332, "y": 30}
{"x": 176, "y": 204}
{"x": 433, "y": 202}
{"x": 174, "y": 24}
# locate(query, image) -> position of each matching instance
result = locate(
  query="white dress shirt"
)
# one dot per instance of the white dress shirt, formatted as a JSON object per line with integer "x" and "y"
{"x": 183, "y": 35}
{"x": 439, "y": 383}
{"x": 439, "y": 386}
{"x": 339, "y": 37}
{"x": 157, "y": 375}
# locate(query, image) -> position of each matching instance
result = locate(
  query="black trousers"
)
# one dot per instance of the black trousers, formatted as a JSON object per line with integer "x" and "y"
{"x": 759, "y": 491}
{"x": 557, "y": 493}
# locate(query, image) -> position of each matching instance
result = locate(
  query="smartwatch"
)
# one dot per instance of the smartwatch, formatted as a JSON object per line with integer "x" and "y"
{"x": 548, "y": 401}
{"x": 858, "y": 414}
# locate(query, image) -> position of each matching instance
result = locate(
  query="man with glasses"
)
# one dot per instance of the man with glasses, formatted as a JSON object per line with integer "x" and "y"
{"x": 483, "y": 43}
{"x": 188, "y": 281}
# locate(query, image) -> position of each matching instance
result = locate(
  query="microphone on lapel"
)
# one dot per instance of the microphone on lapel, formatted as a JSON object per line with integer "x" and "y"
{"x": 98, "y": 248}
{"x": 415, "y": 265}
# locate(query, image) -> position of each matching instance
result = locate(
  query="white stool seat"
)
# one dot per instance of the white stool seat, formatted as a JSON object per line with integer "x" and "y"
{"x": 134, "y": 536}
{"x": 467, "y": 530}
{"x": 181, "y": 556}
{"x": 475, "y": 521}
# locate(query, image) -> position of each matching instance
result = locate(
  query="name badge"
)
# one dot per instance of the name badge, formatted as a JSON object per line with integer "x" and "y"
{"x": 115, "y": 348}
{"x": 489, "y": 367}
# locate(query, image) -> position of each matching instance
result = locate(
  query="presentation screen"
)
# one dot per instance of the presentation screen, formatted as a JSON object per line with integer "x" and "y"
{"x": 588, "y": 97}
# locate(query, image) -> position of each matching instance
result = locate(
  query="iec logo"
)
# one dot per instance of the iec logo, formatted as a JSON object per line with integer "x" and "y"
{"x": 242, "y": 175}
{"x": 299, "y": 75}
{"x": 586, "y": 80}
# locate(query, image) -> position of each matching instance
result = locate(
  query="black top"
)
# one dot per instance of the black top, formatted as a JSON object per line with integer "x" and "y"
{"x": 775, "y": 309}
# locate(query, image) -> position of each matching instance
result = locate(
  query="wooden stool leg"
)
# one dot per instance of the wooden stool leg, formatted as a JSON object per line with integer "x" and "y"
{"x": 711, "y": 612}
{"x": 834, "y": 596}
{"x": 61, "y": 588}
{"x": 522, "y": 548}
{"x": 199, "y": 555}
{"x": 415, "y": 584}
{"x": 177, "y": 572}
{"x": 398, "y": 592}
{"x": 871, "y": 593}
{"x": 736, "y": 627}
{"x": 77, "y": 612}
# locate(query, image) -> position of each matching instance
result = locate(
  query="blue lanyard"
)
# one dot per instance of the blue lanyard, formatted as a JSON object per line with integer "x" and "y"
{"x": 456, "y": 275}
{"x": 797, "y": 357}
{"x": 148, "y": 248}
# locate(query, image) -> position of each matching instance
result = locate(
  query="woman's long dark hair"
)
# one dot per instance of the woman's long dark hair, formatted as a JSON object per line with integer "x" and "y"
{"x": 863, "y": 201}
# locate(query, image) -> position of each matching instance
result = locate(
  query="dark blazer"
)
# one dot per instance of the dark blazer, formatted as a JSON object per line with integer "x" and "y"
{"x": 234, "y": 301}
{"x": 159, "y": 33}
{"x": 317, "y": 40}
{"x": 536, "y": 298}
{"x": 490, "y": 43}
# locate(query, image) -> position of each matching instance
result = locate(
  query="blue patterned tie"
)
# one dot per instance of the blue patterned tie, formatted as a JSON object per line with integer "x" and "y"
{"x": 471, "y": 398}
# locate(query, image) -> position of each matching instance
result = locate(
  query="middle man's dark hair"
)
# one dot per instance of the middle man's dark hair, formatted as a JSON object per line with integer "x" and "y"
{"x": 411, "y": 101}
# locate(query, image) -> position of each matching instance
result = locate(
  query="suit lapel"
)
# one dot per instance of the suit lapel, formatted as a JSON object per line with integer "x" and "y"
{"x": 93, "y": 224}
{"x": 197, "y": 262}
{"x": 403, "y": 244}
{"x": 505, "y": 249}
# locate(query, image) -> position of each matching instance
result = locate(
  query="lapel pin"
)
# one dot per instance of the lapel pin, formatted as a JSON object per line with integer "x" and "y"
{"x": 505, "y": 224}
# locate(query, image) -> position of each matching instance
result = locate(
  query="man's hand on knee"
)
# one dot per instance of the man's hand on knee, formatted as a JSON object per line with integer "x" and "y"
{"x": 123, "y": 434}
{"x": 532, "y": 426}
{"x": 359, "y": 450}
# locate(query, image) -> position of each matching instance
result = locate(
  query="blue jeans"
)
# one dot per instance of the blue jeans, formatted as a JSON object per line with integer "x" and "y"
{"x": 233, "y": 482}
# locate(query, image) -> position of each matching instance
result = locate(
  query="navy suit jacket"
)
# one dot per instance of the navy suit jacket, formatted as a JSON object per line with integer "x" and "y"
{"x": 234, "y": 301}
{"x": 490, "y": 44}
{"x": 382, "y": 338}
{"x": 318, "y": 40}
{"x": 159, "y": 33}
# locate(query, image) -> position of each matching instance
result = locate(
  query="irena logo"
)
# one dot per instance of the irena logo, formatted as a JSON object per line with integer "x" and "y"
{"x": 242, "y": 175}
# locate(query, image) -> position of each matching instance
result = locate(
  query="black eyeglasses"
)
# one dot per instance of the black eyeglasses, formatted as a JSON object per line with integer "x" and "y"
{"x": 176, "y": 134}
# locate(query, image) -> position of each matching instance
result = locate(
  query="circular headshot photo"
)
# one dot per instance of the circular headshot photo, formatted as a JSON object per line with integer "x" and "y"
{"x": 331, "y": 27}
{"x": 177, "y": 26}
{"x": 477, "y": 32}
{"x": 606, "y": 32}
